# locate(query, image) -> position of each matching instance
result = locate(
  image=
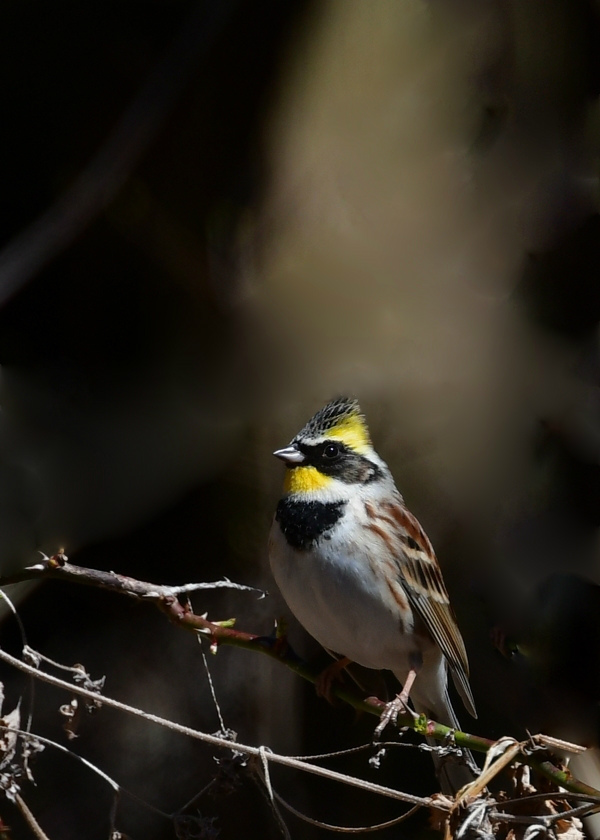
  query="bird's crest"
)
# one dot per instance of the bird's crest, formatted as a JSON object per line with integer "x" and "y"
{"x": 340, "y": 419}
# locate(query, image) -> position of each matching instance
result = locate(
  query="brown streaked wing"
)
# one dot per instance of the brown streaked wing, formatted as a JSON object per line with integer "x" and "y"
{"x": 422, "y": 578}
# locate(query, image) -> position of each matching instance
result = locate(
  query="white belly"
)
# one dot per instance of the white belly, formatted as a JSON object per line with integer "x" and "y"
{"x": 334, "y": 594}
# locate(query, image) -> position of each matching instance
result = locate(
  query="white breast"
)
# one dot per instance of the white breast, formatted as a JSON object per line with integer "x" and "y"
{"x": 336, "y": 595}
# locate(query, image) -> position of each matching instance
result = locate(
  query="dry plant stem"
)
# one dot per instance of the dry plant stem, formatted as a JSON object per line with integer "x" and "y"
{"x": 30, "y": 819}
{"x": 584, "y": 810}
{"x": 221, "y": 633}
{"x": 217, "y": 741}
{"x": 58, "y": 567}
{"x": 363, "y": 829}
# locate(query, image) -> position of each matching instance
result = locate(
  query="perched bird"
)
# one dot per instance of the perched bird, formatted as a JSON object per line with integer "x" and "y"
{"x": 357, "y": 570}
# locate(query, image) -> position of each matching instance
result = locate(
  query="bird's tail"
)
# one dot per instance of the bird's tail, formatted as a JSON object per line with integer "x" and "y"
{"x": 452, "y": 770}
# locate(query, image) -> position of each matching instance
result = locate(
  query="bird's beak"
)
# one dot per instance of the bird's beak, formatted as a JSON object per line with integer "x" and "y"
{"x": 290, "y": 454}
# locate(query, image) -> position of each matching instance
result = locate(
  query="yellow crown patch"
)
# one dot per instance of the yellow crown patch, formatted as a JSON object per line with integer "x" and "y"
{"x": 352, "y": 431}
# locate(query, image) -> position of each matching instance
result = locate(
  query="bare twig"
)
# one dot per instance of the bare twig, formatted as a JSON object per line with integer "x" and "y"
{"x": 220, "y": 742}
{"x": 30, "y": 819}
{"x": 58, "y": 567}
{"x": 213, "y": 693}
{"x": 277, "y": 647}
{"x": 265, "y": 778}
{"x": 342, "y": 829}
{"x": 117, "y": 789}
{"x": 564, "y": 794}
{"x": 48, "y": 742}
{"x": 544, "y": 819}
{"x": 23, "y": 635}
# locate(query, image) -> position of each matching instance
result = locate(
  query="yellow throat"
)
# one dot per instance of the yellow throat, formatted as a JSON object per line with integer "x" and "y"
{"x": 304, "y": 480}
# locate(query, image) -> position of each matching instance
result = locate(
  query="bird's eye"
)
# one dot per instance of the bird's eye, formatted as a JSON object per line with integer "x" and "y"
{"x": 331, "y": 451}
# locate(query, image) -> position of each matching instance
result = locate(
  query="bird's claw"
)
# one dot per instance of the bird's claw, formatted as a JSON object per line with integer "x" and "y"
{"x": 399, "y": 705}
{"x": 329, "y": 676}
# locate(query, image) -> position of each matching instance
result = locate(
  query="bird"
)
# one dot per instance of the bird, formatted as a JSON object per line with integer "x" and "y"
{"x": 359, "y": 573}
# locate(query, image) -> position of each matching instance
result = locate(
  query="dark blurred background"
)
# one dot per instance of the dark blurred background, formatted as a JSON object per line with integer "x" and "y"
{"x": 215, "y": 217}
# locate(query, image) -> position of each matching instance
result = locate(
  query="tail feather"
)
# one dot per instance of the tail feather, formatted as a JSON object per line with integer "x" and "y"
{"x": 429, "y": 695}
{"x": 461, "y": 683}
{"x": 452, "y": 771}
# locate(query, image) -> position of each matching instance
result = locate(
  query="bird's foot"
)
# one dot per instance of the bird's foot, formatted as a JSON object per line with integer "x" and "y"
{"x": 398, "y": 706}
{"x": 329, "y": 676}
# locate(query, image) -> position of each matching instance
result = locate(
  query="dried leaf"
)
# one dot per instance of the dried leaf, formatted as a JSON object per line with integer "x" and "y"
{"x": 570, "y": 829}
{"x": 8, "y": 735}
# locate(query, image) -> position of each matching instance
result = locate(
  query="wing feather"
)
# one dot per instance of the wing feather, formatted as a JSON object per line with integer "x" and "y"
{"x": 421, "y": 576}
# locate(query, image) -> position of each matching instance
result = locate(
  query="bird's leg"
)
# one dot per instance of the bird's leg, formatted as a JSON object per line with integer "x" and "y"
{"x": 329, "y": 676}
{"x": 399, "y": 705}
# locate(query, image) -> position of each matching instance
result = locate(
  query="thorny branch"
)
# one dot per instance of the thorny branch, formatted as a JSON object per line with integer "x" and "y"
{"x": 276, "y": 646}
{"x": 499, "y": 754}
